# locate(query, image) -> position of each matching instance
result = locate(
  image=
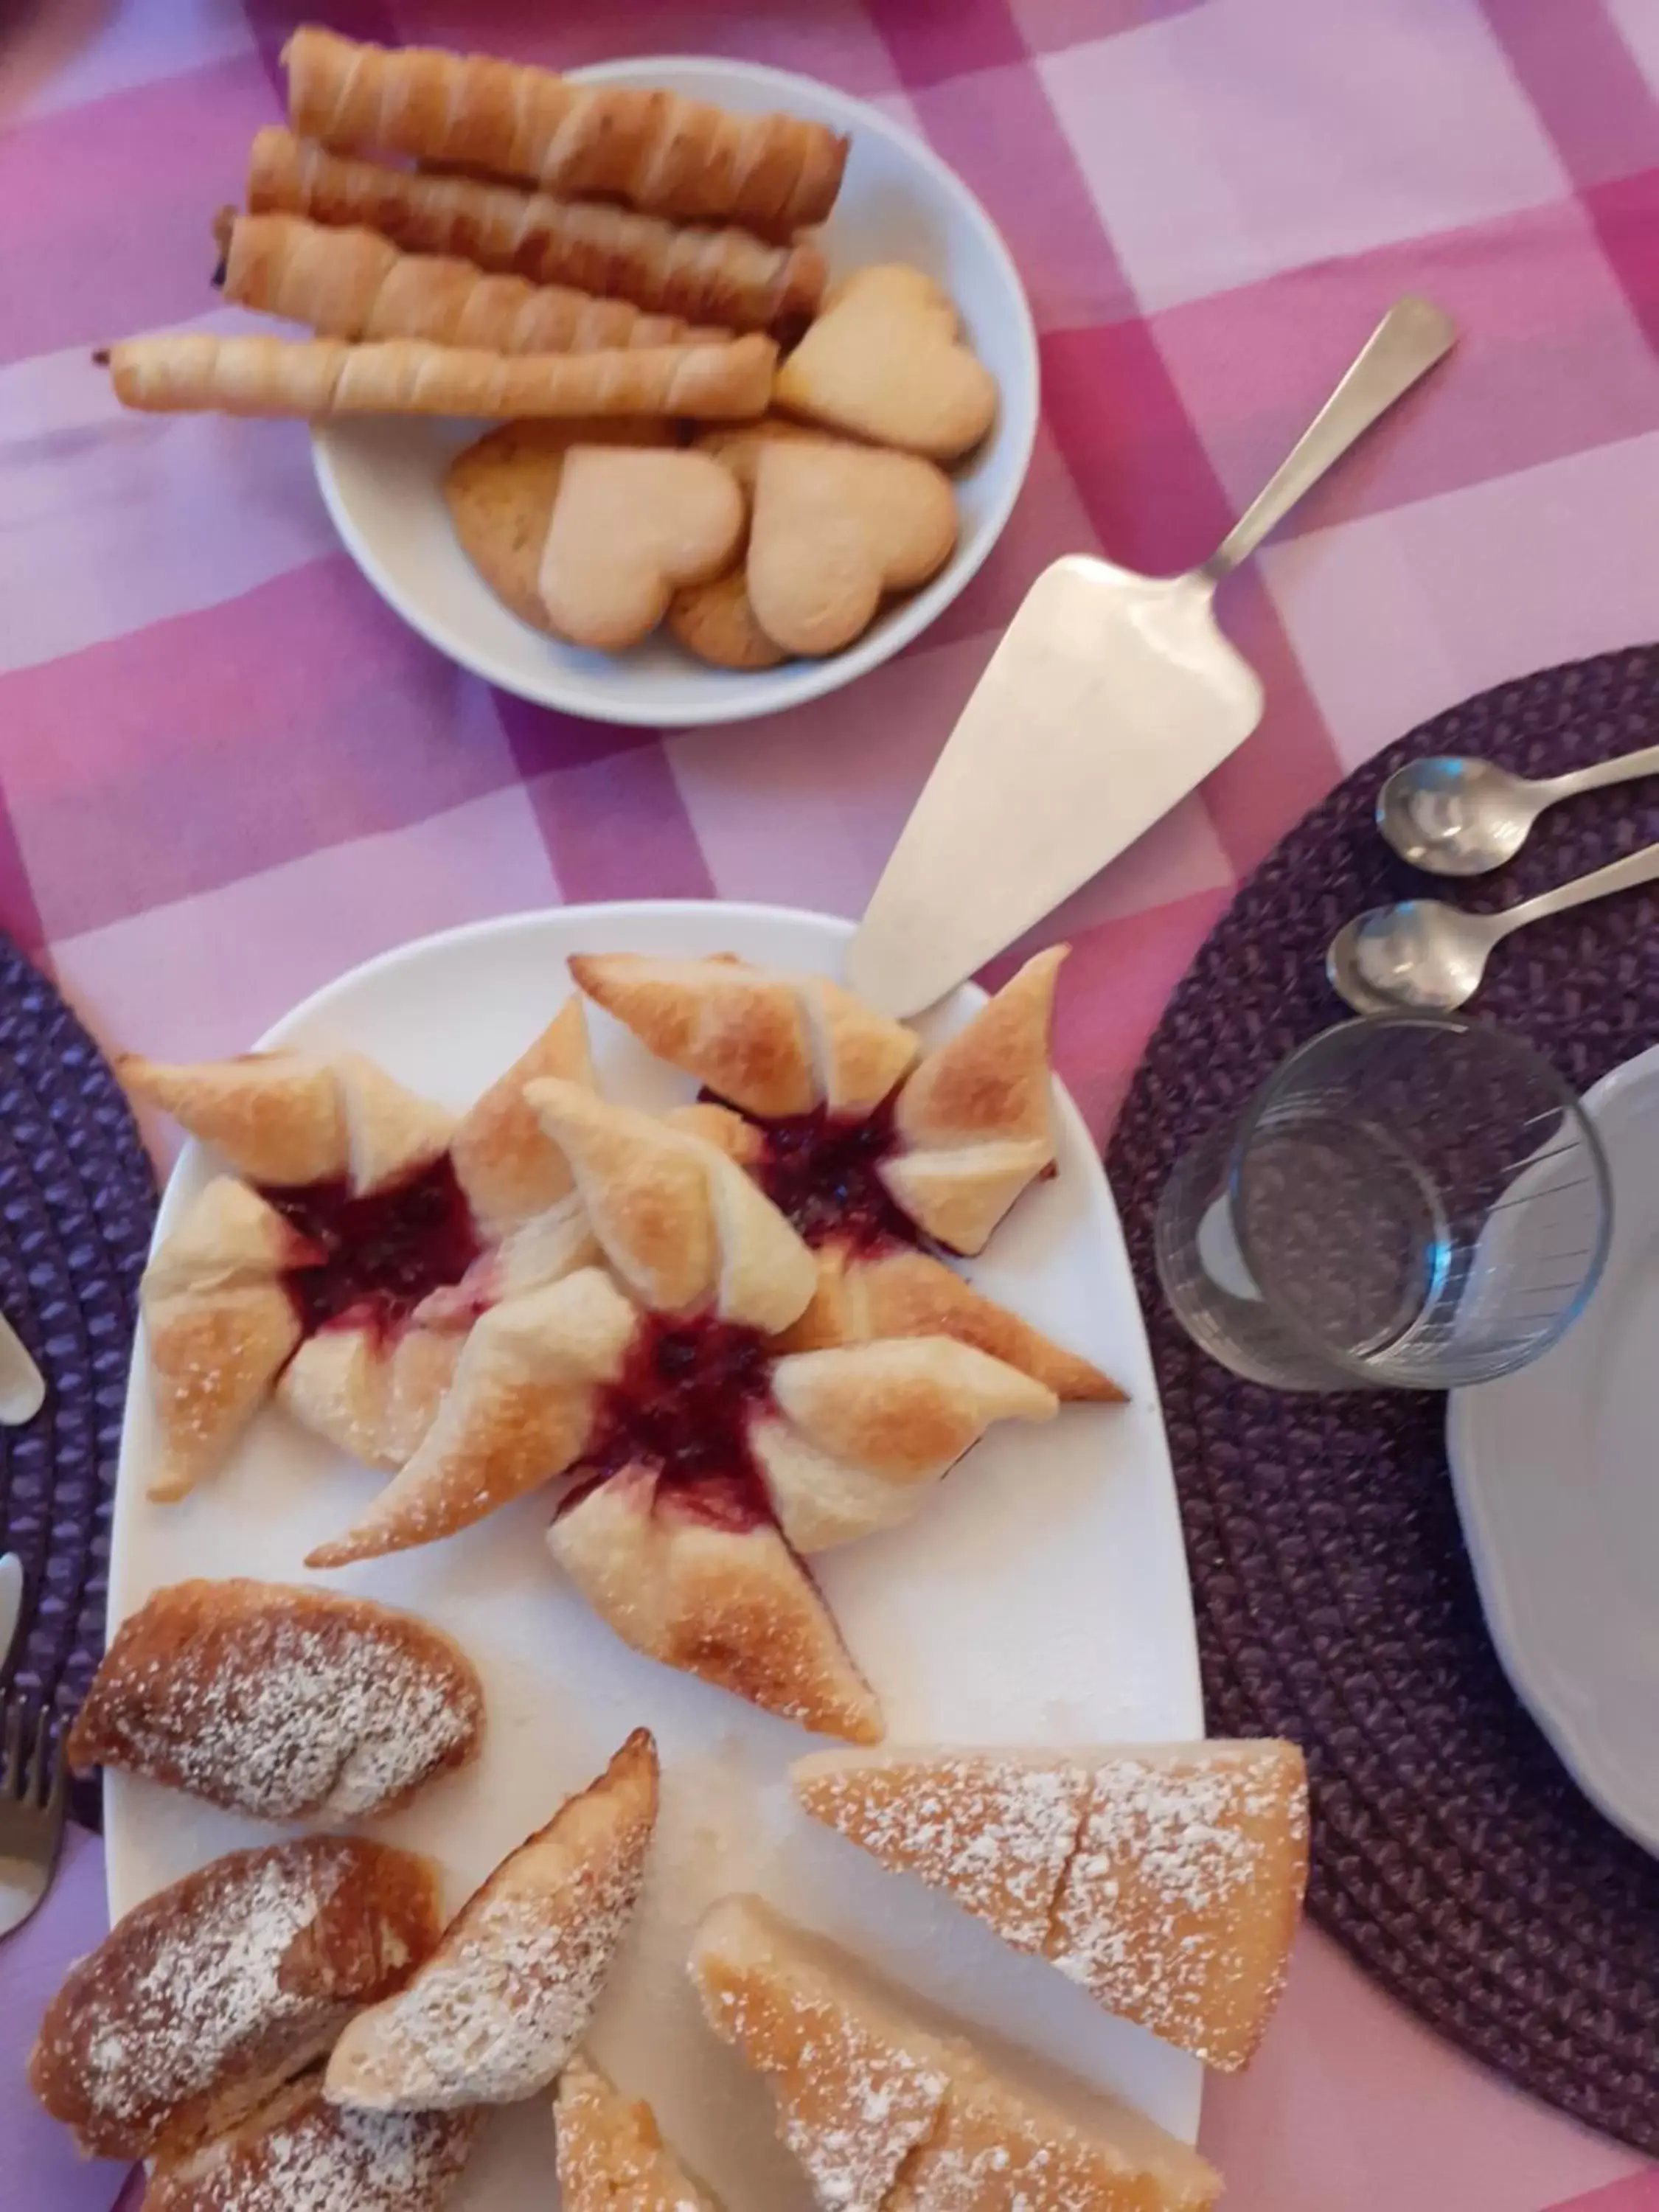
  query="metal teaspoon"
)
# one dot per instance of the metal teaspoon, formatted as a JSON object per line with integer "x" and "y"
{"x": 1459, "y": 817}
{"x": 1426, "y": 957}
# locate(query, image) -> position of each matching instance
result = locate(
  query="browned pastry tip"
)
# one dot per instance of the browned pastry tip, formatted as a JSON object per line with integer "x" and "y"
{"x": 654, "y": 149}
{"x": 703, "y": 275}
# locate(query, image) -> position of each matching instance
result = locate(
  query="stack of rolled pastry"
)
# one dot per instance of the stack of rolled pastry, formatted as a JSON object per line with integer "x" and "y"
{"x": 438, "y": 290}
{"x": 609, "y": 272}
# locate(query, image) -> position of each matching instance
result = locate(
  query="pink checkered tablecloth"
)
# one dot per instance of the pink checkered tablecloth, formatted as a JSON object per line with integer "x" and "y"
{"x": 227, "y": 772}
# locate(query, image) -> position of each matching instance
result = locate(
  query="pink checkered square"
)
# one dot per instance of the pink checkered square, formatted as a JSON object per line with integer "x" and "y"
{"x": 985, "y": 125}
{"x": 833, "y": 39}
{"x": 1249, "y": 137}
{"x": 108, "y": 207}
{"x": 1550, "y": 361}
{"x": 220, "y": 743}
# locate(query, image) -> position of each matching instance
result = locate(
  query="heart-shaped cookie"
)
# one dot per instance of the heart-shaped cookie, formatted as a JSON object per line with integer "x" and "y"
{"x": 716, "y": 622}
{"x": 500, "y": 494}
{"x": 886, "y": 361}
{"x": 836, "y": 528}
{"x": 629, "y": 528}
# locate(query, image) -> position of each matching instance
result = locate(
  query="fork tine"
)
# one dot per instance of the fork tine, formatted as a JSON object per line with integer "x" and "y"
{"x": 59, "y": 1790}
{"x": 40, "y": 1760}
{"x": 11, "y": 1779}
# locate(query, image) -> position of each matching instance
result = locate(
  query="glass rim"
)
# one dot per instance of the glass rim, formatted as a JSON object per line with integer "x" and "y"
{"x": 1370, "y": 1372}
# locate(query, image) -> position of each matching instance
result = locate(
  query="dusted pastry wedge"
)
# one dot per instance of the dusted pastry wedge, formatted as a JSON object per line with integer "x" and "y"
{"x": 501, "y": 2005}
{"x": 368, "y": 1231}
{"x": 889, "y": 2113}
{"x": 611, "y": 2157}
{"x": 878, "y": 1154}
{"x": 210, "y": 1995}
{"x": 287, "y": 1705}
{"x": 300, "y": 2153}
{"x": 1166, "y": 1878}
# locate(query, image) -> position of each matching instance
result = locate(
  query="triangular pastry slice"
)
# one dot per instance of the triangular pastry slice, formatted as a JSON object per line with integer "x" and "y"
{"x": 276, "y": 1116}
{"x": 855, "y": 2097}
{"x": 219, "y": 1325}
{"x": 684, "y": 1229}
{"x": 974, "y": 1121}
{"x": 696, "y": 1581}
{"x": 505, "y": 1161}
{"x": 519, "y": 1412}
{"x": 773, "y": 1045}
{"x": 1166, "y": 1878}
{"x": 861, "y": 1297}
{"x": 375, "y": 1400}
{"x": 301, "y": 2154}
{"x": 611, "y": 2155}
{"x": 499, "y": 2007}
{"x": 995, "y": 1831}
{"x": 1181, "y": 1904}
{"x": 891, "y": 2111}
{"x": 867, "y": 1429}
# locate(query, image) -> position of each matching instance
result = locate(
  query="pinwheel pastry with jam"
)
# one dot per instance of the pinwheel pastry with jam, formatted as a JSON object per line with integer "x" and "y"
{"x": 883, "y": 1156}
{"x": 342, "y": 1265}
{"x": 701, "y": 1457}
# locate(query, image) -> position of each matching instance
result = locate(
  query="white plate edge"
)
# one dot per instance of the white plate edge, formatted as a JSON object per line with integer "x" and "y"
{"x": 1580, "y": 1747}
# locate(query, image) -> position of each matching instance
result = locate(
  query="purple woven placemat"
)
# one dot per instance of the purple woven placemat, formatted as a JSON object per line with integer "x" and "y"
{"x": 77, "y": 1202}
{"x": 1452, "y": 1853}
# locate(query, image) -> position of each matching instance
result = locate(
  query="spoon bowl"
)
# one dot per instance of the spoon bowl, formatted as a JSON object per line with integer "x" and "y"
{"x": 1458, "y": 817}
{"x": 1421, "y": 955}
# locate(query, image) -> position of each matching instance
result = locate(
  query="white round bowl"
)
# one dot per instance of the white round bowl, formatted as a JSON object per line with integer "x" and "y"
{"x": 381, "y": 476}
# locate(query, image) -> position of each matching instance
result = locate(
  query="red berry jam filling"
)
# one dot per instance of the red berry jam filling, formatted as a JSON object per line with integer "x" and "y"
{"x": 682, "y": 1407}
{"x": 823, "y": 1171}
{"x": 384, "y": 1252}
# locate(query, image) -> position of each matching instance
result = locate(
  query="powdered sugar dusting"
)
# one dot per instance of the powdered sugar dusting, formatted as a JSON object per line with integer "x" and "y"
{"x": 494, "y": 2017}
{"x": 851, "y": 2105}
{"x": 316, "y": 2157}
{"x": 611, "y": 2155}
{"x": 299, "y": 1707}
{"x": 1177, "y": 1861}
{"x": 189, "y": 1997}
{"x": 995, "y": 1834}
{"x": 495, "y": 2011}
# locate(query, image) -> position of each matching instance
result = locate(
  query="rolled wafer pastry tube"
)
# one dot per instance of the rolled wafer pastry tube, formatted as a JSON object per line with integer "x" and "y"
{"x": 724, "y": 277}
{"x": 193, "y": 372}
{"x": 354, "y": 284}
{"x": 656, "y": 150}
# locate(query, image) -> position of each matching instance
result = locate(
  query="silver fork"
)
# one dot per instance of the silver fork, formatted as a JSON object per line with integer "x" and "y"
{"x": 34, "y": 1798}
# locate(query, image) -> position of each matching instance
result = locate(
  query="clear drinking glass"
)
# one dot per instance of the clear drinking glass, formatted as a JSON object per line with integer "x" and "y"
{"x": 1412, "y": 1201}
